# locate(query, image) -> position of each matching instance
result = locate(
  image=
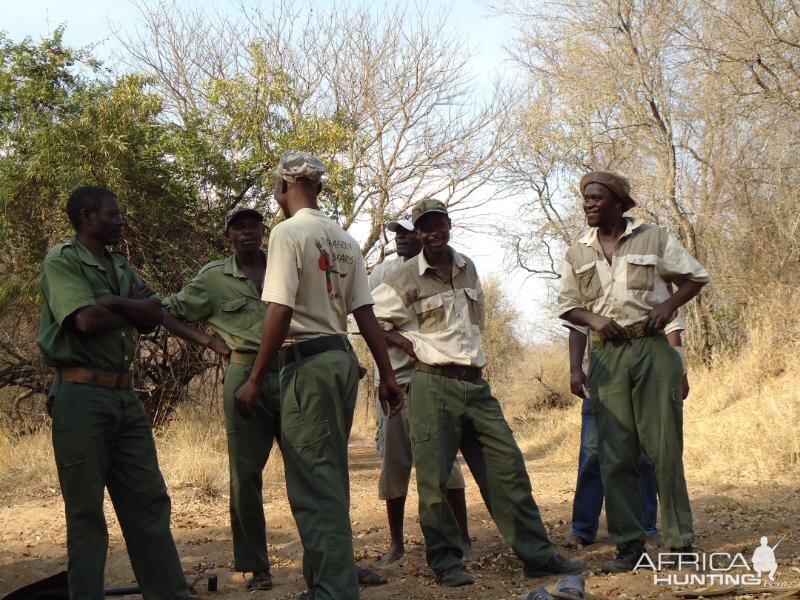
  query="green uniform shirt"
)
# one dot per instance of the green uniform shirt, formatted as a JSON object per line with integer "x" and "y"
{"x": 73, "y": 278}
{"x": 222, "y": 294}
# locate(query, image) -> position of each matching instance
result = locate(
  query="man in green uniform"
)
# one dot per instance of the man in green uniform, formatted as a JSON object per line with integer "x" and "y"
{"x": 433, "y": 308}
{"x": 93, "y": 303}
{"x": 616, "y": 280}
{"x": 227, "y": 294}
{"x": 315, "y": 278}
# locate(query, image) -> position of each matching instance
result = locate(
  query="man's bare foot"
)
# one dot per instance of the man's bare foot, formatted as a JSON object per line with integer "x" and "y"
{"x": 575, "y": 541}
{"x": 395, "y": 552}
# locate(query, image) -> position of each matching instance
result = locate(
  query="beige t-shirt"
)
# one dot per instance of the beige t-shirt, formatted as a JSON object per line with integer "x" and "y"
{"x": 315, "y": 268}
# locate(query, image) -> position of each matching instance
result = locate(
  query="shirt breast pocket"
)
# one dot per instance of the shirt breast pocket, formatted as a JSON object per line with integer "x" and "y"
{"x": 430, "y": 314}
{"x": 588, "y": 281}
{"x": 641, "y": 273}
{"x": 474, "y": 305}
{"x": 232, "y": 305}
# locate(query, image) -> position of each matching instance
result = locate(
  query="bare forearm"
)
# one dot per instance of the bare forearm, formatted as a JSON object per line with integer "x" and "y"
{"x": 185, "y": 331}
{"x": 580, "y": 316}
{"x": 145, "y": 313}
{"x": 98, "y": 319}
{"x": 393, "y": 338}
{"x": 373, "y": 335}
{"x": 276, "y": 328}
{"x": 577, "y": 350}
{"x": 687, "y": 290}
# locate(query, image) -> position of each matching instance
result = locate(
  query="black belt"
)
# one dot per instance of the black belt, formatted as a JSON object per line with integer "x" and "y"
{"x": 317, "y": 345}
{"x": 452, "y": 371}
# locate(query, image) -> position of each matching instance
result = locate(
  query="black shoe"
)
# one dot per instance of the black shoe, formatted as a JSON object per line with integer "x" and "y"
{"x": 557, "y": 565}
{"x": 628, "y": 556}
{"x": 259, "y": 581}
{"x": 455, "y": 576}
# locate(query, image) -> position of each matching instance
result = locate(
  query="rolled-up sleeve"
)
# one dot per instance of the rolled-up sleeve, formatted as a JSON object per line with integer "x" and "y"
{"x": 191, "y": 304}
{"x": 678, "y": 263}
{"x": 64, "y": 286}
{"x": 568, "y": 295}
{"x": 391, "y": 311}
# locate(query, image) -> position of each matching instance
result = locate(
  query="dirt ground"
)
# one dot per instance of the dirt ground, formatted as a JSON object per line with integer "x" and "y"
{"x": 729, "y": 516}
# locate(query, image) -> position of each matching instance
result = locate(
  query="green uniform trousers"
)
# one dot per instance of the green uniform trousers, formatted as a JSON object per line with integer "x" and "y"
{"x": 635, "y": 391}
{"x": 102, "y": 438}
{"x": 446, "y": 415}
{"x": 318, "y": 397}
{"x": 249, "y": 445}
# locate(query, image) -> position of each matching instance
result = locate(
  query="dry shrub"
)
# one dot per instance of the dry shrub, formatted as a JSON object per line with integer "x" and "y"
{"x": 193, "y": 452}
{"x": 26, "y": 461}
{"x": 741, "y": 418}
{"x": 538, "y": 405}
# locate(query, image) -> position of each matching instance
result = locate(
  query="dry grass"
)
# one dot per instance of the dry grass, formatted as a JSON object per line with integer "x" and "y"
{"x": 740, "y": 419}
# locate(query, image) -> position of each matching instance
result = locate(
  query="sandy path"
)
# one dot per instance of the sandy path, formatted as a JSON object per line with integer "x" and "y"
{"x": 728, "y": 518}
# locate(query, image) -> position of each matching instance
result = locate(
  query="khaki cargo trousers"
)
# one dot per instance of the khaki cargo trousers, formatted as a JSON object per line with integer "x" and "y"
{"x": 635, "y": 393}
{"x": 250, "y": 441}
{"x": 449, "y": 414}
{"x": 318, "y": 397}
{"x": 102, "y": 439}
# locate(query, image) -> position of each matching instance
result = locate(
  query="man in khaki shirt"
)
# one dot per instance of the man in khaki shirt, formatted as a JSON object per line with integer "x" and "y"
{"x": 393, "y": 437}
{"x": 616, "y": 280}
{"x": 435, "y": 300}
{"x": 315, "y": 278}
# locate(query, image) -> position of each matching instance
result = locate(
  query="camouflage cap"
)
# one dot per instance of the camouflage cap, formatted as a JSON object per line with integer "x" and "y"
{"x": 618, "y": 184}
{"x": 295, "y": 165}
{"x": 240, "y": 211}
{"x": 425, "y": 206}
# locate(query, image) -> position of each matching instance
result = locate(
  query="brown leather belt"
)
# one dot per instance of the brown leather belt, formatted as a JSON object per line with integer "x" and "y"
{"x": 317, "y": 345}
{"x": 637, "y": 330}
{"x": 248, "y": 358}
{"x": 453, "y": 371}
{"x": 87, "y": 376}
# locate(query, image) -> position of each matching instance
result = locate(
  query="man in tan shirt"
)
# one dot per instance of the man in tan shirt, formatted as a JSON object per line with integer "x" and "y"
{"x": 436, "y": 302}
{"x": 315, "y": 278}
{"x": 616, "y": 280}
{"x": 393, "y": 437}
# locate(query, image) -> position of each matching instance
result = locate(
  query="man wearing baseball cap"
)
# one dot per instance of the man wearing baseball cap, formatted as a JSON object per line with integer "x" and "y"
{"x": 433, "y": 308}
{"x": 616, "y": 281}
{"x": 315, "y": 278}
{"x": 393, "y": 437}
{"x": 227, "y": 295}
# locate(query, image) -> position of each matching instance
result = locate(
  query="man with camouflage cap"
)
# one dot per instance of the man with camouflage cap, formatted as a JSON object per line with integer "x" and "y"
{"x": 433, "y": 308}
{"x": 227, "y": 294}
{"x": 93, "y": 304}
{"x": 315, "y": 277}
{"x": 393, "y": 436}
{"x": 616, "y": 280}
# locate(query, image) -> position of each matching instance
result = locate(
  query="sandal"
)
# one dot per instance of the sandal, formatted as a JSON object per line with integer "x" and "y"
{"x": 367, "y": 577}
{"x": 571, "y": 587}
{"x": 259, "y": 581}
{"x": 538, "y": 594}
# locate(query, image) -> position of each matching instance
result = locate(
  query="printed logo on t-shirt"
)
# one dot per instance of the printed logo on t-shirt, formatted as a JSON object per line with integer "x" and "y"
{"x": 327, "y": 261}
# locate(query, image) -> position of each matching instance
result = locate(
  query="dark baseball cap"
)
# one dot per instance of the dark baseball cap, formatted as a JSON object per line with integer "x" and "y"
{"x": 237, "y": 212}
